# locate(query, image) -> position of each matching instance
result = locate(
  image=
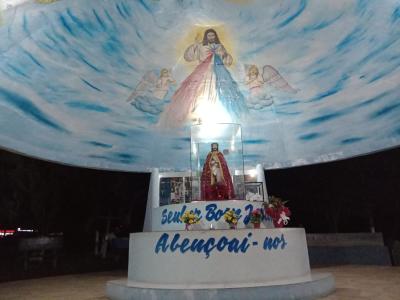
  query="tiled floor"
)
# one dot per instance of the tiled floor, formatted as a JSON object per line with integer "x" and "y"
{"x": 71, "y": 287}
{"x": 352, "y": 282}
{"x": 365, "y": 282}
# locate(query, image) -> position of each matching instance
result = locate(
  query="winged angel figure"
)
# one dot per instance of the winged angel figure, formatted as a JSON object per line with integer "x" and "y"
{"x": 257, "y": 84}
{"x": 149, "y": 94}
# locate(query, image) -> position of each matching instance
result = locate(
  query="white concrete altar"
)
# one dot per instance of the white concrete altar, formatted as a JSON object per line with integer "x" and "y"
{"x": 218, "y": 256}
{"x": 211, "y": 261}
{"x": 220, "y": 264}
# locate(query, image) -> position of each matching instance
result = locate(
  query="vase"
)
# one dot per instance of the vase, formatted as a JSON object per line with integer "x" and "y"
{"x": 187, "y": 227}
{"x": 232, "y": 226}
{"x": 256, "y": 225}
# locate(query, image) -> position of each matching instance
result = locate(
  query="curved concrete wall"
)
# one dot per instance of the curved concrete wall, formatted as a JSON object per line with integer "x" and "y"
{"x": 82, "y": 82}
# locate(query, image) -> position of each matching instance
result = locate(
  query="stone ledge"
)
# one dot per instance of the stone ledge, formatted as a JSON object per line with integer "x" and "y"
{"x": 318, "y": 285}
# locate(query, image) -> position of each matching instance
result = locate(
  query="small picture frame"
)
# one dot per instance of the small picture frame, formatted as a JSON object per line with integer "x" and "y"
{"x": 175, "y": 190}
{"x": 254, "y": 191}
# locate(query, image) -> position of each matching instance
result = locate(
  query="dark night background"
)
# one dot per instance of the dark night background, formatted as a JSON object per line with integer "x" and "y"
{"x": 351, "y": 195}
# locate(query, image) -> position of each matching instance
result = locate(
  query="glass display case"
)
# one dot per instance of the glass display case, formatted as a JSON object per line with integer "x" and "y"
{"x": 217, "y": 162}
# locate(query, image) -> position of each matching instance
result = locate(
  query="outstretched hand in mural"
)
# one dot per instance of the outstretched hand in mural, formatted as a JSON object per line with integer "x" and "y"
{"x": 257, "y": 83}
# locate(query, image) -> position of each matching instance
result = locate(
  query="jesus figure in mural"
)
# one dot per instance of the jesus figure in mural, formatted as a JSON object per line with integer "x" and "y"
{"x": 202, "y": 49}
{"x": 210, "y": 87}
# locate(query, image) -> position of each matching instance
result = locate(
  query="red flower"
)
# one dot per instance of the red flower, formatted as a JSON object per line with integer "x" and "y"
{"x": 255, "y": 216}
{"x": 278, "y": 215}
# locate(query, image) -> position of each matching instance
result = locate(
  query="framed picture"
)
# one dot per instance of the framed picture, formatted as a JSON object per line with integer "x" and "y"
{"x": 174, "y": 190}
{"x": 254, "y": 191}
{"x": 165, "y": 191}
{"x": 177, "y": 192}
{"x": 238, "y": 184}
{"x": 188, "y": 189}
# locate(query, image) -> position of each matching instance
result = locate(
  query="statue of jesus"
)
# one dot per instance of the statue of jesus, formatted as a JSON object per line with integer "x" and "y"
{"x": 216, "y": 181}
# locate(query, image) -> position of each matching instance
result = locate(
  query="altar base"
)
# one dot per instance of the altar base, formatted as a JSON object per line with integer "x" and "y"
{"x": 312, "y": 286}
{"x": 220, "y": 264}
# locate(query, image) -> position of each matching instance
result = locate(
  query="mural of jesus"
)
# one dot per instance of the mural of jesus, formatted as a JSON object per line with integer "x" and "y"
{"x": 210, "y": 87}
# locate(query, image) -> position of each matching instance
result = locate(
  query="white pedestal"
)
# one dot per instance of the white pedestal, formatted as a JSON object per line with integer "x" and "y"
{"x": 220, "y": 264}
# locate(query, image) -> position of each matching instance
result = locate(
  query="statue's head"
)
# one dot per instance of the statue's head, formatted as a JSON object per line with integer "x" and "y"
{"x": 214, "y": 147}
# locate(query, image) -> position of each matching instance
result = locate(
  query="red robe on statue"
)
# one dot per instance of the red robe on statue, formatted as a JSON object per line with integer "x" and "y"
{"x": 216, "y": 181}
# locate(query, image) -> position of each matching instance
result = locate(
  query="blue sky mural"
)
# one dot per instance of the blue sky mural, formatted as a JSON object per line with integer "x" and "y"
{"x": 116, "y": 84}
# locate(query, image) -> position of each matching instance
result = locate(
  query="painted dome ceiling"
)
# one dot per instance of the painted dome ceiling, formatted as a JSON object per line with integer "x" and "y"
{"x": 117, "y": 84}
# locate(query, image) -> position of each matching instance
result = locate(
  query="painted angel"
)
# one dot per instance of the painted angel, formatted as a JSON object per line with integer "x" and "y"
{"x": 256, "y": 83}
{"x": 163, "y": 83}
{"x": 153, "y": 85}
{"x": 150, "y": 92}
{"x": 145, "y": 84}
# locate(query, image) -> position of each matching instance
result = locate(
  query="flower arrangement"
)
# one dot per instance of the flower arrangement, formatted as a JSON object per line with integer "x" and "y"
{"x": 231, "y": 218}
{"x": 276, "y": 209}
{"x": 255, "y": 217}
{"x": 189, "y": 218}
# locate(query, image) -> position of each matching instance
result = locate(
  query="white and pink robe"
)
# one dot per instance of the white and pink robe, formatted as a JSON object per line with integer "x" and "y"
{"x": 209, "y": 86}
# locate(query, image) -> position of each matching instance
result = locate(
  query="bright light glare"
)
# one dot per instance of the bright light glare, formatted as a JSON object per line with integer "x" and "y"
{"x": 194, "y": 149}
{"x": 210, "y": 131}
{"x": 209, "y": 112}
{"x": 252, "y": 173}
{"x": 232, "y": 145}
{"x": 5, "y": 4}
